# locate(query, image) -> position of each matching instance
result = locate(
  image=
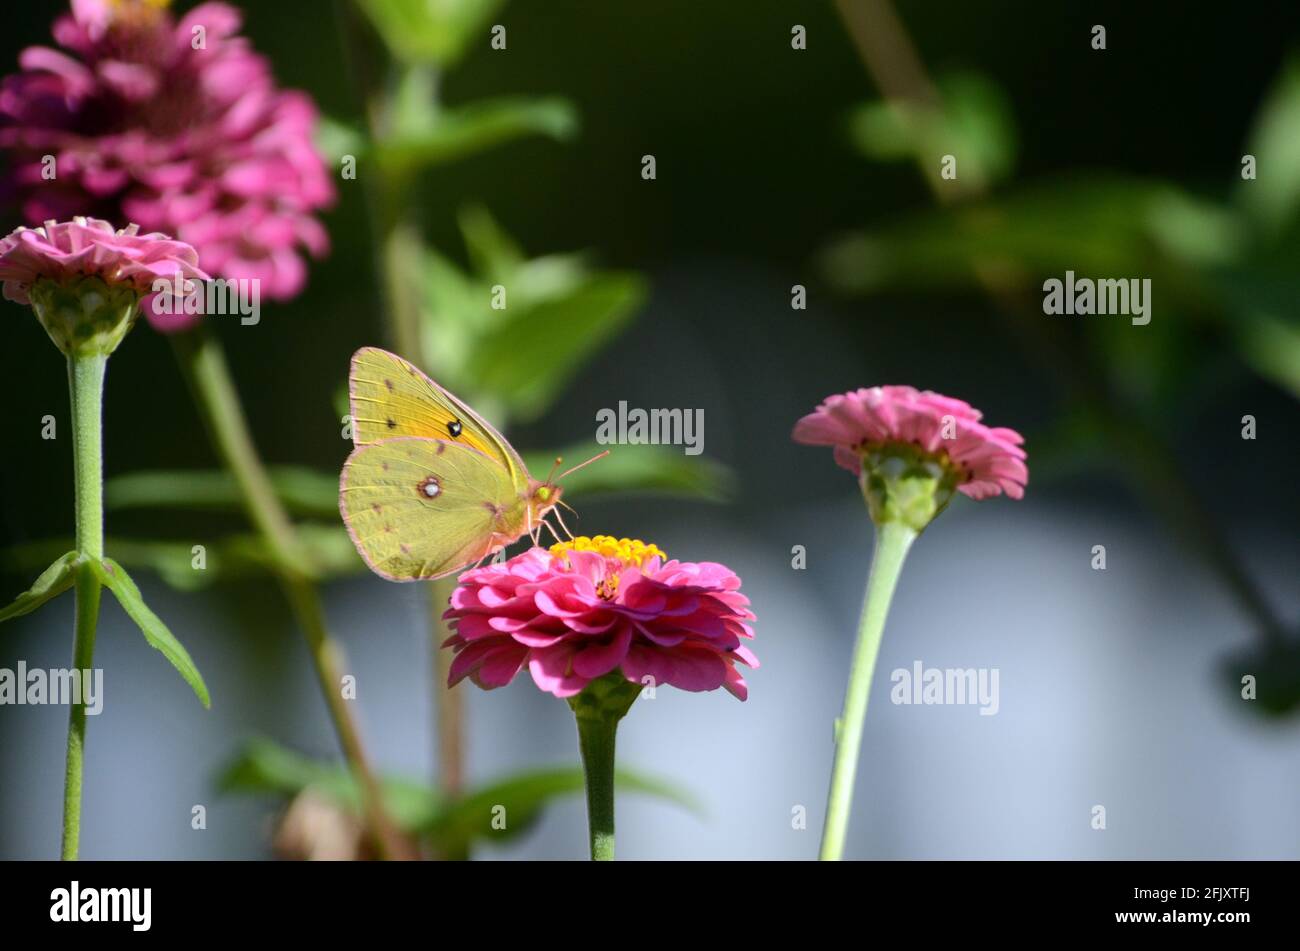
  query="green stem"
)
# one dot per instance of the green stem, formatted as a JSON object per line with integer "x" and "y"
{"x": 209, "y": 376}
{"x": 86, "y": 386}
{"x": 893, "y": 539}
{"x": 596, "y": 736}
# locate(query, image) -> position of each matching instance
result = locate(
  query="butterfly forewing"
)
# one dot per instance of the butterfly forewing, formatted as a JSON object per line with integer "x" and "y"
{"x": 423, "y": 508}
{"x": 391, "y": 397}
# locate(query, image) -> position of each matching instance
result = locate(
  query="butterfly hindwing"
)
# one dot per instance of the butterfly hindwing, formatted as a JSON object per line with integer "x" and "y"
{"x": 422, "y": 508}
{"x": 391, "y": 397}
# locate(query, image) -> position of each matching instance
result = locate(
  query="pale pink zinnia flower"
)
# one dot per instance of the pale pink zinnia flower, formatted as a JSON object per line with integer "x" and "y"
{"x": 592, "y": 606}
{"x": 63, "y": 251}
{"x": 983, "y": 461}
{"x": 176, "y": 125}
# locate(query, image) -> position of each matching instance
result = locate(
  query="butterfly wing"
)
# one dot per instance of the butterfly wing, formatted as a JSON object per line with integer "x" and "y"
{"x": 424, "y": 508}
{"x": 390, "y": 397}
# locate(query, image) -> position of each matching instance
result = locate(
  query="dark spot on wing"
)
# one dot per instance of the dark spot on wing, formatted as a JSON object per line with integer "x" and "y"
{"x": 454, "y": 427}
{"x": 392, "y": 424}
{"x": 389, "y": 384}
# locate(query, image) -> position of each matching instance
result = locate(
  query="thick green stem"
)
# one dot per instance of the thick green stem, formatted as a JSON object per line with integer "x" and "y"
{"x": 596, "y": 736}
{"x": 86, "y": 385}
{"x": 218, "y": 401}
{"x": 893, "y": 539}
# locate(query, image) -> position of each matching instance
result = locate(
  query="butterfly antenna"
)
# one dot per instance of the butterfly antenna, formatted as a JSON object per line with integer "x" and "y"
{"x": 599, "y": 455}
{"x": 550, "y": 479}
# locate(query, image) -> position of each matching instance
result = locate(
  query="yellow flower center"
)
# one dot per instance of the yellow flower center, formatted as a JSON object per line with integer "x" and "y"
{"x": 133, "y": 12}
{"x": 630, "y": 551}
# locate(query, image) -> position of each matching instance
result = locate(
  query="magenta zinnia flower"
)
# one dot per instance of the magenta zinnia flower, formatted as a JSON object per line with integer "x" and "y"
{"x": 983, "y": 461}
{"x": 592, "y": 606}
{"x": 196, "y": 142}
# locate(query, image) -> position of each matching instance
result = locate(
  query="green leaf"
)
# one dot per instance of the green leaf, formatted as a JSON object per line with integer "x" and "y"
{"x": 465, "y": 130}
{"x": 336, "y": 138}
{"x": 264, "y": 766}
{"x": 526, "y": 361}
{"x": 1272, "y": 348}
{"x": 974, "y": 122}
{"x": 655, "y": 470}
{"x": 326, "y": 549}
{"x": 54, "y": 580}
{"x": 1272, "y": 197}
{"x": 114, "y": 577}
{"x": 1096, "y": 227}
{"x": 524, "y": 796}
{"x": 303, "y": 491}
{"x": 430, "y": 31}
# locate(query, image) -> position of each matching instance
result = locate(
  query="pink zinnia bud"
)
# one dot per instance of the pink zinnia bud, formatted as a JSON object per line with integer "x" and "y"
{"x": 176, "y": 125}
{"x": 911, "y": 449}
{"x": 593, "y": 606}
{"x": 87, "y": 281}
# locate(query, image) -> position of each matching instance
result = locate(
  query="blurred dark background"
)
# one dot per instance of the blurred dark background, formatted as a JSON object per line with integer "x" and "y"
{"x": 1113, "y": 689}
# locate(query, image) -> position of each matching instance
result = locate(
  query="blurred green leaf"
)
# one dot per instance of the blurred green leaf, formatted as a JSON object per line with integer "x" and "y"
{"x": 1272, "y": 197}
{"x": 327, "y": 548}
{"x": 524, "y": 796}
{"x": 114, "y": 577}
{"x": 465, "y": 130}
{"x": 525, "y": 361}
{"x": 264, "y": 766}
{"x": 53, "y": 581}
{"x": 492, "y": 253}
{"x": 974, "y": 122}
{"x": 303, "y": 491}
{"x": 513, "y": 360}
{"x": 1096, "y": 227}
{"x": 1272, "y": 348}
{"x": 335, "y": 139}
{"x": 430, "y": 31}
{"x": 658, "y": 470}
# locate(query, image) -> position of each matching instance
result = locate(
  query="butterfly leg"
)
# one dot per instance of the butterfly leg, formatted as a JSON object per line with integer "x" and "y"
{"x": 488, "y": 551}
{"x": 560, "y": 518}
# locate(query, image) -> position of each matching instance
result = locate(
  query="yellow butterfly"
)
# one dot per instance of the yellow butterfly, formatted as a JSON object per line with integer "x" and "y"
{"x": 431, "y": 487}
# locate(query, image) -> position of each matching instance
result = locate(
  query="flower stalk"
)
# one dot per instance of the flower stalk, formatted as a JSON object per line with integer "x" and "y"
{"x": 893, "y": 540}
{"x": 205, "y": 366}
{"x": 598, "y": 709}
{"x": 86, "y": 388}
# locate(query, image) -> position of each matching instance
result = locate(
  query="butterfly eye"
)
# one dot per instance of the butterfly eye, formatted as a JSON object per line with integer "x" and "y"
{"x": 454, "y": 428}
{"x": 429, "y": 488}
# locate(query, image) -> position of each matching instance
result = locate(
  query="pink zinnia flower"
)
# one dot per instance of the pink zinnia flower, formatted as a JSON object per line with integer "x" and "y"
{"x": 983, "y": 461}
{"x": 63, "y": 251}
{"x": 592, "y": 606}
{"x": 144, "y": 127}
